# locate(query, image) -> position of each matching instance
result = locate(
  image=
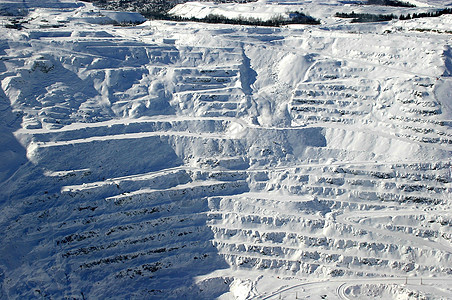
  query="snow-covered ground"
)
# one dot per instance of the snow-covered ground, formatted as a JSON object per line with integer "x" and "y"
{"x": 201, "y": 161}
{"x": 271, "y": 9}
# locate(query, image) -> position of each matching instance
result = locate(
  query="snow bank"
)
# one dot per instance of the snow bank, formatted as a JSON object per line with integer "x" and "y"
{"x": 107, "y": 17}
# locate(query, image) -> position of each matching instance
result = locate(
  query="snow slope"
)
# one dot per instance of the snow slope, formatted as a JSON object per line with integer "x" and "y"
{"x": 231, "y": 10}
{"x": 192, "y": 160}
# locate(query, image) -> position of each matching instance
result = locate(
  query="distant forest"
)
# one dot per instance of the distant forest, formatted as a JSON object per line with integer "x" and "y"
{"x": 158, "y": 9}
{"x": 149, "y": 8}
{"x": 363, "y": 17}
{"x": 295, "y": 18}
{"x": 390, "y": 3}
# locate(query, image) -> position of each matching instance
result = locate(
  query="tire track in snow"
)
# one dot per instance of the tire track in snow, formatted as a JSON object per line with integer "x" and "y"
{"x": 342, "y": 284}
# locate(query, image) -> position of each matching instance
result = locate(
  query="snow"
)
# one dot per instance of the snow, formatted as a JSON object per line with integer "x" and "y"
{"x": 267, "y": 10}
{"x": 258, "y": 10}
{"x": 201, "y": 161}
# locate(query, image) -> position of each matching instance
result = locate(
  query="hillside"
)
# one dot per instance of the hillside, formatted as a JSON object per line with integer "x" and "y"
{"x": 200, "y": 161}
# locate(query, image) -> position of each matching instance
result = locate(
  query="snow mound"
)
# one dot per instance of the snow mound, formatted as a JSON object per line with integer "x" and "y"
{"x": 107, "y": 17}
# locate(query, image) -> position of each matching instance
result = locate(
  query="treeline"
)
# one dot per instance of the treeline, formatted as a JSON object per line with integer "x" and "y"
{"x": 446, "y": 11}
{"x": 294, "y": 18}
{"x": 390, "y": 3}
{"x": 363, "y": 18}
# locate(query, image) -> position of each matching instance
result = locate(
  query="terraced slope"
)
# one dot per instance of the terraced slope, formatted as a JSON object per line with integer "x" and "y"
{"x": 181, "y": 160}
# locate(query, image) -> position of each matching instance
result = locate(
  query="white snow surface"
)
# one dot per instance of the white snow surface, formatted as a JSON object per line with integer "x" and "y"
{"x": 201, "y": 161}
{"x": 257, "y": 10}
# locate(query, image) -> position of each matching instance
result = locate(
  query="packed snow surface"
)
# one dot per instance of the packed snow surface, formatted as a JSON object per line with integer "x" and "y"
{"x": 200, "y": 161}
